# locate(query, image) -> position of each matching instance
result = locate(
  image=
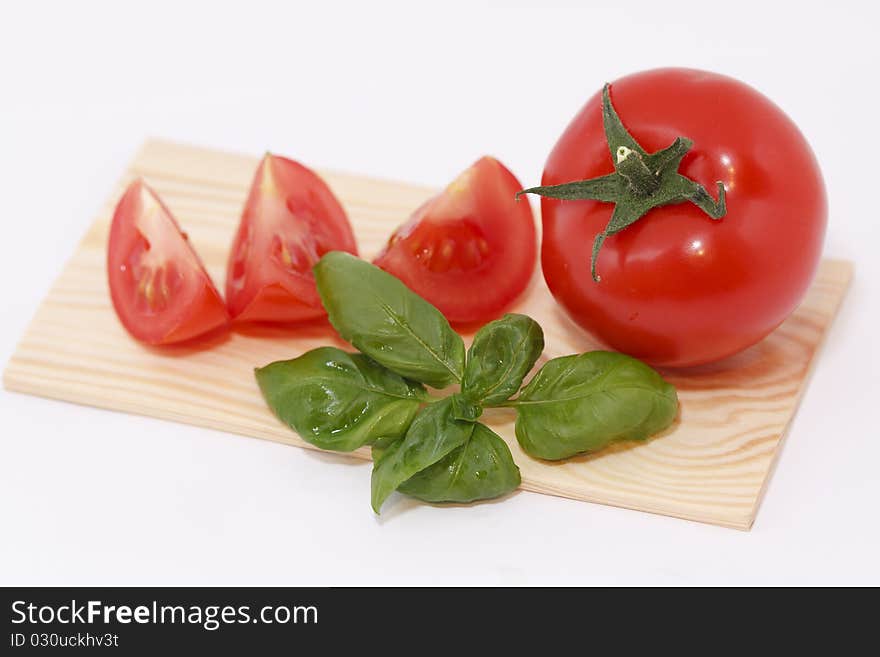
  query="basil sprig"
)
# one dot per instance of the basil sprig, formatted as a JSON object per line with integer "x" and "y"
{"x": 435, "y": 449}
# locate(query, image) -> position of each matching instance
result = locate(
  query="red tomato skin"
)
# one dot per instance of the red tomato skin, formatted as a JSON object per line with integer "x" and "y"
{"x": 288, "y": 204}
{"x": 494, "y": 245}
{"x": 678, "y": 289}
{"x": 194, "y": 307}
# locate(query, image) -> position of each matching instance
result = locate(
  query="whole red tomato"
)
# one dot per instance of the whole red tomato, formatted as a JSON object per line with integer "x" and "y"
{"x": 678, "y": 287}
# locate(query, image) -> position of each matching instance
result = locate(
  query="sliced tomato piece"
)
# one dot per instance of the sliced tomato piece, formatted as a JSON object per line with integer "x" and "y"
{"x": 290, "y": 220}
{"x": 159, "y": 287}
{"x": 472, "y": 249}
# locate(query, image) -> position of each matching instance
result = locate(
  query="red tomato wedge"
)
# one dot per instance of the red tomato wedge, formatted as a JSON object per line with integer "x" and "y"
{"x": 472, "y": 249}
{"x": 290, "y": 220}
{"x": 160, "y": 289}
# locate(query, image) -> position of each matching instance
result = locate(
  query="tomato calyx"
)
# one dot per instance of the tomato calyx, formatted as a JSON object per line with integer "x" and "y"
{"x": 641, "y": 181}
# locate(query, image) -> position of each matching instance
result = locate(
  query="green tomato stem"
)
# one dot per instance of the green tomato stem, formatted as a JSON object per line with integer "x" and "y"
{"x": 641, "y": 181}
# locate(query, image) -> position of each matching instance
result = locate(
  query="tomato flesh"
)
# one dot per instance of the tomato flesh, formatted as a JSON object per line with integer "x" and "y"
{"x": 678, "y": 288}
{"x": 159, "y": 287}
{"x": 472, "y": 249}
{"x": 290, "y": 220}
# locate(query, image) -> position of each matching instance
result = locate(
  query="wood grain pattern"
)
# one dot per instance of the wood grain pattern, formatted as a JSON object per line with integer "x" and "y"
{"x": 711, "y": 466}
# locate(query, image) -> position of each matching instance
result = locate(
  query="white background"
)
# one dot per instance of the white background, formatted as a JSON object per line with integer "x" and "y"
{"x": 413, "y": 92}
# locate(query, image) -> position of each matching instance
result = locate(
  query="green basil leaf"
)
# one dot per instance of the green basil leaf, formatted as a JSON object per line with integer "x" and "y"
{"x": 584, "y": 402}
{"x": 386, "y": 320}
{"x": 465, "y": 409}
{"x": 480, "y": 469}
{"x": 432, "y": 435}
{"x": 501, "y": 354}
{"x": 340, "y": 401}
{"x": 381, "y": 445}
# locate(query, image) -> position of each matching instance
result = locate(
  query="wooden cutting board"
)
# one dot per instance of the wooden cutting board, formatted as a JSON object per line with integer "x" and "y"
{"x": 712, "y": 465}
